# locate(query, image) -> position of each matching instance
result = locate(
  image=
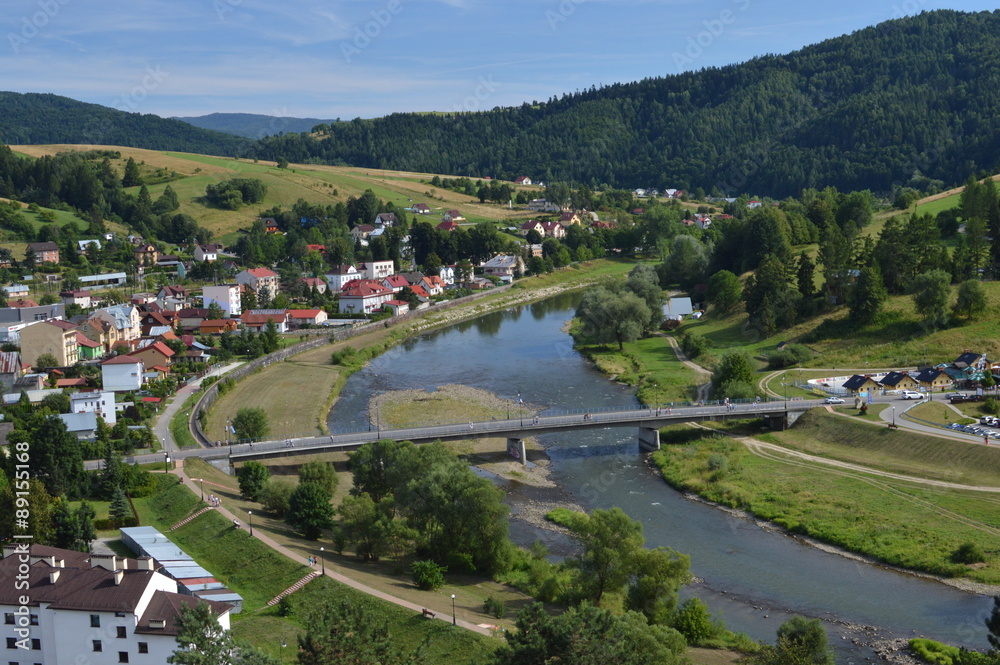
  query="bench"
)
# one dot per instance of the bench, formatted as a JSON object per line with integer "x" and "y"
{"x": 428, "y": 613}
{"x": 892, "y": 425}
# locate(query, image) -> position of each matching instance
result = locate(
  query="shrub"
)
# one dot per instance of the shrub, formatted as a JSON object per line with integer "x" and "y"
{"x": 991, "y": 406}
{"x": 934, "y": 652}
{"x": 274, "y": 497}
{"x": 718, "y": 463}
{"x": 693, "y": 345}
{"x": 495, "y": 607}
{"x": 968, "y": 553}
{"x": 694, "y": 621}
{"x": 427, "y": 575}
{"x": 789, "y": 355}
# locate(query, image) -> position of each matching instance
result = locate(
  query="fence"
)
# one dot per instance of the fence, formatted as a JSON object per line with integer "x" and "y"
{"x": 212, "y": 393}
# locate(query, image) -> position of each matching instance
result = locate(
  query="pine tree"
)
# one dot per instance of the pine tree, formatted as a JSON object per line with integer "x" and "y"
{"x": 806, "y": 276}
{"x": 131, "y": 177}
{"x": 119, "y": 510}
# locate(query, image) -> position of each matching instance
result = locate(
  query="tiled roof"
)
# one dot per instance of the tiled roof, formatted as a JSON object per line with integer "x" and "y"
{"x": 304, "y": 313}
{"x": 122, "y": 360}
{"x": 262, "y": 272}
{"x": 83, "y": 340}
{"x": 166, "y": 607}
{"x": 365, "y": 290}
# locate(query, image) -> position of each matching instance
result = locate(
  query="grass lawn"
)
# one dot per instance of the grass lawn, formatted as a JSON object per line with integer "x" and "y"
{"x": 906, "y": 452}
{"x": 914, "y": 527}
{"x": 179, "y": 424}
{"x": 938, "y": 412}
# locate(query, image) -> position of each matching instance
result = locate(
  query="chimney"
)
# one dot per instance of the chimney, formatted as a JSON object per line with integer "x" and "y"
{"x": 54, "y": 576}
{"x": 145, "y": 563}
{"x": 119, "y": 574}
{"x": 106, "y": 561}
{"x": 157, "y": 623}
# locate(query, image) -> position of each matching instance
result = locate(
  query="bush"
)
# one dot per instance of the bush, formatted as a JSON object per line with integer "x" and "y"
{"x": 275, "y": 496}
{"x": 968, "y": 553}
{"x": 693, "y": 345}
{"x": 427, "y": 575}
{"x": 991, "y": 406}
{"x": 495, "y": 607}
{"x": 252, "y": 476}
{"x": 789, "y": 355}
{"x": 694, "y": 621}
{"x": 934, "y": 652}
{"x": 718, "y": 463}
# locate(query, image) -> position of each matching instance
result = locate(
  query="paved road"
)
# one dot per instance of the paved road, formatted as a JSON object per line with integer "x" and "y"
{"x": 162, "y": 427}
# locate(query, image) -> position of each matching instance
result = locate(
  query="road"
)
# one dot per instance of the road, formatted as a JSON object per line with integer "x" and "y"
{"x": 162, "y": 427}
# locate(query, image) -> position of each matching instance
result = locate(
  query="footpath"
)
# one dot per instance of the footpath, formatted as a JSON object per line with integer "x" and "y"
{"x": 330, "y": 571}
{"x": 162, "y": 427}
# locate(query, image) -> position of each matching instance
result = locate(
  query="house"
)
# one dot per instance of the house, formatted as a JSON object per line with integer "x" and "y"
{"x": 101, "y": 332}
{"x": 81, "y": 298}
{"x": 319, "y": 249}
{"x": 447, "y": 275}
{"x": 260, "y": 281}
{"x": 933, "y": 378}
{"x": 386, "y": 219}
{"x": 536, "y": 250}
{"x": 146, "y": 254}
{"x": 532, "y": 225}
{"x": 542, "y": 205}
{"x": 341, "y": 275}
{"x": 257, "y": 319}
{"x": 226, "y": 296}
{"x": 433, "y": 284}
{"x": 570, "y": 218}
{"x": 899, "y": 381}
{"x": 71, "y": 383}
{"x": 168, "y": 261}
{"x": 172, "y": 292}
{"x": 22, "y": 302}
{"x": 301, "y": 317}
{"x": 96, "y": 608}
{"x": 217, "y": 326}
{"x": 395, "y": 282}
{"x": 94, "y": 401}
{"x": 754, "y": 204}
{"x": 968, "y": 359}
{"x": 447, "y": 225}
{"x": 204, "y": 253}
{"x": 362, "y": 231}
{"x": 270, "y": 225}
{"x": 81, "y": 425}
{"x": 522, "y": 180}
{"x": 503, "y": 266}
{"x": 44, "y": 252}
{"x": 122, "y": 373}
{"x": 396, "y": 307}
{"x": 553, "y": 230}
{"x": 453, "y": 216}
{"x": 377, "y": 270}
{"x": 420, "y": 293}
{"x": 86, "y": 348}
{"x": 421, "y": 209}
{"x": 84, "y": 246}
{"x": 160, "y": 319}
{"x": 11, "y": 369}
{"x": 124, "y": 318}
{"x": 364, "y": 298}
{"x": 315, "y": 283}
{"x": 191, "y": 317}
{"x": 104, "y": 279}
{"x": 860, "y": 383}
{"x": 54, "y": 337}
{"x": 156, "y": 353}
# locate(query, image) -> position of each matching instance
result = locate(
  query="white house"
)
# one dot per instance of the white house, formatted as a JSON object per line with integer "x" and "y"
{"x": 206, "y": 252}
{"x": 122, "y": 373}
{"x": 385, "y": 219}
{"x": 341, "y": 275}
{"x": 82, "y": 245}
{"x": 300, "y": 317}
{"x": 98, "y": 609}
{"x": 447, "y": 274}
{"x": 377, "y": 270}
{"x": 365, "y": 298}
{"x": 226, "y": 296}
{"x": 258, "y": 279}
{"x": 101, "y": 403}
{"x": 503, "y": 266}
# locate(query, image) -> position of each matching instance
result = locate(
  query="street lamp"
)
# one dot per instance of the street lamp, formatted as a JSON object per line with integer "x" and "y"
{"x": 322, "y": 558}
{"x": 453, "y": 620}
{"x": 250, "y": 513}
{"x": 166, "y": 462}
{"x": 893, "y": 416}
{"x": 202, "y": 481}
{"x": 229, "y": 440}
{"x": 520, "y": 408}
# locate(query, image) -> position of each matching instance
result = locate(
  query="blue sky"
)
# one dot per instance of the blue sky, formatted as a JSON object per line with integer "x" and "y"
{"x": 350, "y": 58}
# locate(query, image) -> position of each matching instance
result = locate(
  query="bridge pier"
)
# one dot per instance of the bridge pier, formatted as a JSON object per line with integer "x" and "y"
{"x": 515, "y": 448}
{"x": 649, "y": 439}
{"x": 778, "y": 422}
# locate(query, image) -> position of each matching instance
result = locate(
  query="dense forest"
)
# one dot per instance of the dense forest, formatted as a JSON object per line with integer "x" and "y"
{"x": 34, "y": 118}
{"x": 903, "y": 103}
{"x": 252, "y": 125}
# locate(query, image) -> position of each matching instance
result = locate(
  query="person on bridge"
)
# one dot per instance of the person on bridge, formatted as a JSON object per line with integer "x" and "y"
{"x": 535, "y": 420}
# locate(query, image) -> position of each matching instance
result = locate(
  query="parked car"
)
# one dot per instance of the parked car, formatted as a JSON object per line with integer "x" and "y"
{"x": 988, "y": 420}
{"x": 955, "y": 396}
{"x": 833, "y": 400}
{"x": 912, "y": 394}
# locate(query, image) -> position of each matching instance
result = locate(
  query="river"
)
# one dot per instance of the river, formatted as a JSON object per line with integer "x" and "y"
{"x": 754, "y": 577}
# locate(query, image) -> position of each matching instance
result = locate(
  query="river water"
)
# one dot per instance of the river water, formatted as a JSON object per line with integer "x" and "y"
{"x": 755, "y": 578}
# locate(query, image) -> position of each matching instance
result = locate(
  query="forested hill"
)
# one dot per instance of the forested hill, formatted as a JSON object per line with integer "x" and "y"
{"x": 43, "y": 118}
{"x": 252, "y": 125}
{"x": 865, "y": 110}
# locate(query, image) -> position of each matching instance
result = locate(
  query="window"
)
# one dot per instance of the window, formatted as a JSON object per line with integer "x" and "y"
{"x": 143, "y": 647}
{"x": 121, "y": 632}
{"x": 123, "y": 656}
{"x": 97, "y": 646}
{"x": 95, "y": 620}
{"x": 120, "y": 615}
{"x": 8, "y": 618}
{"x": 36, "y": 644}
{"x": 11, "y": 643}
{"x": 33, "y": 619}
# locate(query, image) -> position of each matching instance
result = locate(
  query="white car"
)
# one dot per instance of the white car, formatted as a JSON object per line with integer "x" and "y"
{"x": 833, "y": 400}
{"x": 912, "y": 394}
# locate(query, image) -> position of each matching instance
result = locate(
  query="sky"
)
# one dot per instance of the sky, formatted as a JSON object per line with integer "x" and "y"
{"x": 368, "y": 58}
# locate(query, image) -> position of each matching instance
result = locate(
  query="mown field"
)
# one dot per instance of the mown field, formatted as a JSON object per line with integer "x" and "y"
{"x": 898, "y": 523}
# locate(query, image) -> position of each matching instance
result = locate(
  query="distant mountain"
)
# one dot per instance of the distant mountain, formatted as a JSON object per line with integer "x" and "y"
{"x": 908, "y": 101}
{"x": 44, "y": 118}
{"x": 252, "y": 125}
